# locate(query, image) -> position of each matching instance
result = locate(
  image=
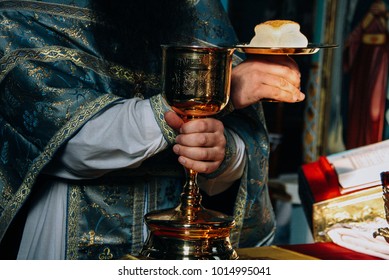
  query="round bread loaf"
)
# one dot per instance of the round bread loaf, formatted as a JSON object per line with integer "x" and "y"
{"x": 278, "y": 33}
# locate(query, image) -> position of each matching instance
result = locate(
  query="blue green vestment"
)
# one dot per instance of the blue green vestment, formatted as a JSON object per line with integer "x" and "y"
{"x": 53, "y": 79}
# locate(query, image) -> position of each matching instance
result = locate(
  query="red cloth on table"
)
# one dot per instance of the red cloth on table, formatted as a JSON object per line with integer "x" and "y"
{"x": 328, "y": 251}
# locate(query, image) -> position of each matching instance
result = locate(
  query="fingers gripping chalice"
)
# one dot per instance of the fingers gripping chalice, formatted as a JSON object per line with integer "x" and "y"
{"x": 196, "y": 83}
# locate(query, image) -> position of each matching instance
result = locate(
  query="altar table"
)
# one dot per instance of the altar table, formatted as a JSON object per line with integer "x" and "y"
{"x": 311, "y": 251}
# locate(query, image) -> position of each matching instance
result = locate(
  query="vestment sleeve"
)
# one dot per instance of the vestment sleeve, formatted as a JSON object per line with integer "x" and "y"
{"x": 121, "y": 137}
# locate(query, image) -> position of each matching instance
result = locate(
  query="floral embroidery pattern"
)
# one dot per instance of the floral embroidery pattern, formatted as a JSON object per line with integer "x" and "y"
{"x": 30, "y": 120}
{"x": 4, "y": 153}
{"x": 106, "y": 255}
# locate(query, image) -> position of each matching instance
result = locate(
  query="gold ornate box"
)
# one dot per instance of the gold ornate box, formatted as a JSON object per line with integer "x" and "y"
{"x": 360, "y": 206}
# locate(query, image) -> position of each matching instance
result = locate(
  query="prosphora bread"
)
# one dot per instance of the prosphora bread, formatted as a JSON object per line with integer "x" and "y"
{"x": 278, "y": 33}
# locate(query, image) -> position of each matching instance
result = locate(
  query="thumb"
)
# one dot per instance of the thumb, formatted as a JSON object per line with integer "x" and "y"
{"x": 173, "y": 120}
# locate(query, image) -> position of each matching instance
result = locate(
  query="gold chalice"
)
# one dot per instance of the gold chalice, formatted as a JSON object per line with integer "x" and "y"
{"x": 196, "y": 83}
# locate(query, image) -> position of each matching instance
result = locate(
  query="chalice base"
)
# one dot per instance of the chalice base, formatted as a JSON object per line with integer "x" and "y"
{"x": 172, "y": 237}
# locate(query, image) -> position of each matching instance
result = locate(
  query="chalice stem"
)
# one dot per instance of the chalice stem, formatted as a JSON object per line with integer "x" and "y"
{"x": 190, "y": 197}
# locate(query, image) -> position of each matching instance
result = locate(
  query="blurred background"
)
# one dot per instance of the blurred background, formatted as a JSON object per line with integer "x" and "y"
{"x": 339, "y": 84}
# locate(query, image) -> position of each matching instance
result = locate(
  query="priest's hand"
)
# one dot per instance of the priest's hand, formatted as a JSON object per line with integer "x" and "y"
{"x": 263, "y": 77}
{"x": 200, "y": 144}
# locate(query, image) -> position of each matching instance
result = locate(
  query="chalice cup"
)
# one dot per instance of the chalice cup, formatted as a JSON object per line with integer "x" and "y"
{"x": 196, "y": 84}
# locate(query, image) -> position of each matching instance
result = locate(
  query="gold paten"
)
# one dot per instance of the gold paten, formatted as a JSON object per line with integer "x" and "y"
{"x": 310, "y": 49}
{"x": 361, "y": 206}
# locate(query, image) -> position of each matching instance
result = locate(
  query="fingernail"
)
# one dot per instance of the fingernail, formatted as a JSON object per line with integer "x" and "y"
{"x": 176, "y": 149}
{"x": 182, "y": 160}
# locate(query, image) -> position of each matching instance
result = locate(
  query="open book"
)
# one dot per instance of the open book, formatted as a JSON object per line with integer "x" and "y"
{"x": 360, "y": 168}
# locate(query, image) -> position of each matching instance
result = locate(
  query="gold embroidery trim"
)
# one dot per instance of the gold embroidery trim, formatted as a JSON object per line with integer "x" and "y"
{"x": 57, "y": 53}
{"x": 160, "y": 108}
{"x": 138, "y": 212}
{"x": 50, "y": 8}
{"x": 74, "y": 214}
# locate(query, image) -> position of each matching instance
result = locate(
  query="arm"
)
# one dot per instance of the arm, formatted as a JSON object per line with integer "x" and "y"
{"x": 124, "y": 136}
